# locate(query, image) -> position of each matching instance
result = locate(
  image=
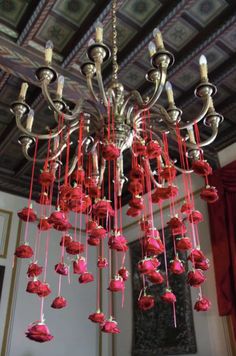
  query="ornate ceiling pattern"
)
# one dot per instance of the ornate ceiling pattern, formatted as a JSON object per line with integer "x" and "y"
{"x": 189, "y": 28}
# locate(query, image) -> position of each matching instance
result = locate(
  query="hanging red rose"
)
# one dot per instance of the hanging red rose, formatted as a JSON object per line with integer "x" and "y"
{"x": 86, "y": 278}
{"x": 98, "y": 232}
{"x": 59, "y": 303}
{"x": 181, "y": 230}
{"x": 146, "y": 302}
{"x": 79, "y": 265}
{"x": 57, "y": 217}
{"x": 78, "y": 175}
{"x": 97, "y": 317}
{"x": 76, "y": 194}
{"x": 38, "y": 332}
{"x": 44, "y": 225}
{"x": 90, "y": 225}
{"x": 146, "y": 266}
{"x": 152, "y": 232}
{"x": 175, "y": 223}
{"x": 183, "y": 243}
{"x": 165, "y": 192}
{"x": 34, "y": 270}
{"x": 46, "y": 178}
{"x": 116, "y": 284}
{"x": 168, "y": 297}
{"x": 75, "y": 248}
{"x": 172, "y": 191}
{"x": 102, "y": 262}
{"x": 196, "y": 278}
{"x": 195, "y": 217}
{"x": 154, "y": 246}
{"x": 110, "y": 327}
{"x": 135, "y": 187}
{"x": 124, "y": 273}
{"x": 63, "y": 205}
{"x": 133, "y": 212}
{"x": 90, "y": 182}
{"x": 154, "y": 260}
{"x": 155, "y": 277}
{"x": 27, "y": 214}
{"x": 209, "y": 194}
{"x": 118, "y": 242}
{"x": 136, "y": 202}
{"x": 156, "y": 197}
{"x": 153, "y": 149}
{"x": 62, "y": 269}
{"x": 186, "y": 208}
{"x": 43, "y": 199}
{"x": 94, "y": 241}
{"x": 202, "y": 168}
{"x": 110, "y": 152}
{"x": 64, "y": 191}
{"x": 94, "y": 192}
{"x": 63, "y": 226}
{"x": 136, "y": 173}
{"x": 24, "y": 251}
{"x": 196, "y": 255}
{"x": 102, "y": 209}
{"x": 168, "y": 173}
{"x": 145, "y": 224}
{"x": 139, "y": 148}
{"x": 203, "y": 265}
{"x": 202, "y": 304}
{"x": 66, "y": 240}
{"x": 44, "y": 290}
{"x": 176, "y": 266}
{"x": 33, "y": 286}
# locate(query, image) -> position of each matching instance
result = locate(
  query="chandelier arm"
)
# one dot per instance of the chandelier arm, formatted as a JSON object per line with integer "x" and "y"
{"x": 71, "y": 169}
{"x": 54, "y": 156}
{"x": 206, "y": 142}
{"x": 159, "y": 86}
{"x": 91, "y": 89}
{"x": 100, "y": 82}
{"x": 47, "y": 97}
{"x": 102, "y": 171}
{"x": 134, "y": 94}
{"x": 148, "y": 169}
{"x": 54, "y": 133}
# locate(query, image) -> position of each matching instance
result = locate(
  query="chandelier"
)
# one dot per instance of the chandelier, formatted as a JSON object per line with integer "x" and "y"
{"x": 83, "y": 169}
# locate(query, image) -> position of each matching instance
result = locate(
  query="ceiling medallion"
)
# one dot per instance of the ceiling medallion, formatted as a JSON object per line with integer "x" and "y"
{"x": 82, "y": 170}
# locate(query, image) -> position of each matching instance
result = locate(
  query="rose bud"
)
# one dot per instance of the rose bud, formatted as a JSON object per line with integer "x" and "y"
{"x": 44, "y": 290}
{"x": 91, "y": 224}
{"x": 59, "y": 303}
{"x": 209, "y": 194}
{"x": 34, "y": 270}
{"x": 93, "y": 241}
{"x": 33, "y": 286}
{"x": 195, "y": 217}
{"x": 38, "y": 332}
{"x": 110, "y": 152}
{"x": 24, "y": 251}
{"x": 202, "y": 304}
{"x": 75, "y": 248}
{"x": 168, "y": 297}
{"x": 79, "y": 266}
{"x": 86, "y": 278}
{"x": 62, "y": 269}
{"x": 66, "y": 240}
{"x": 176, "y": 266}
{"x": 124, "y": 273}
{"x": 146, "y": 302}
{"x": 196, "y": 278}
{"x": 145, "y": 266}
{"x": 154, "y": 246}
{"x": 155, "y": 277}
{"x": 183, "y": 243}
{"x": 203, "y": 265}
{"x": 196, "y": 255}
{"x": 27, "y": 214}
{"x": 186, "y": 208}
{"x": 202, "y": 168}
{"x": 116, "y": 284}
{"x": 97, "y": 317}
{"x": 102, "y": 262}
{"x": 110, "y": 326}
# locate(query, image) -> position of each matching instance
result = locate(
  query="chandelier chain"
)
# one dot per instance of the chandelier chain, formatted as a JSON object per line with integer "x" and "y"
{"x": 115, "y": 66}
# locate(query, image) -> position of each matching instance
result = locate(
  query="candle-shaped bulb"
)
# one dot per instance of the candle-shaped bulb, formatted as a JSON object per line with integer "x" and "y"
{"x": 151, "y": 48}
{"x": 23, "y": 91}
{"x": 91, "y": 42}
{"x": 60, "y": 85}
{"x": 203, "y": 68}
{"x": 30, "y": 120}
{"x": 99, "y": 32}
{"x": 48, "y": 52}
{"x": 158, "y": 38}
{"x": 169, "y": 92}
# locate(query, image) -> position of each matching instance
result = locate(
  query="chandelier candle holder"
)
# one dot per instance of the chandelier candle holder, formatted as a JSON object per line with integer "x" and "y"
{"x": 108, "y": 125}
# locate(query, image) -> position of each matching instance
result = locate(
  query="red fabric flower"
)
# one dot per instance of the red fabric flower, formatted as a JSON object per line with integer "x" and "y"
{"x": 110, "y": 327}
{"x": 59, "y": 303}
{"x": 139, "y": 148}
{"x": 86, "y": 278}
{"x": 94, "y": 192}
{"x": 133, "y": 212}
{"x": 202, "y": 304}
{"x": 98, "y": 232}
{"x": 209, "y": 194}
{"x": 116, "y": 284}
{"x": 62, "y": 268}
{"x": 183, "y": 243}
{"x": 97, "y": 317}
{"x": 165, "y": 192}
{"x": 44, "y": 225}
{"x": 46, "y": 178}
{"x": 156, "y": 263}
{"x": 146, "y": 302}
{"x": 94, "y": 241}
{"x": 135, "y": 187}
{"x": 154, "y": 246}
{"x": 168, "y": 173}
{"x": 203, "y": 265}
{"x": 66, "y": 240}
{"x": 196, "y": 278}
{"x": 102, "y": 209}
{"x": 168, "y": 297}
{"x": 196, "y": 255}
{"x": 43, "y": 199}
{"x": 33, "y": 287}
{"x": 118, "y": 242}
{"x": 156, "y": 197}
{"x": 202, "y": 168}
{"x": 195, "y": 217}
{"x": 136, "y": 173}
{"x": 146, "y": 266}
{"x": 38, "y": 332}
{"x": 186, "y": 208}
{"x": 75, "y": 248}
{"x": 24, "y": 251}
{"x": 90, "y": 182}
{"x": 27, "y": 214}
{"x": 34, "y": 270}
{"x": 136, "y": 202}
{"x": 102, "y": 262}
{"x": 57, "y": 217}
{"x": 44, "y": 290}
{"x": 175, "y": 222}
{"x": 110, "y": 152}
{"x": 152, "y": 232}
{"x": 179, "y": 230}
{"x": 124, "y": 273}
{"x": 176, "y": 266}
{"x": 80, "y": 266}
{"x": 78, "y": 175}
{"x": 145, "y": 224}
{"x": 153, "y": 149}
{"x": 155, "y": 277}
{"x": 64, "y": 192}
{"x": 63, "y": 226}
{"x": 90, "y": 225}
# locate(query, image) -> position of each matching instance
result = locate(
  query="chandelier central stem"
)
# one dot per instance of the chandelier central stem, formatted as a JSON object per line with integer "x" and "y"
{"x": 115, "y": 66}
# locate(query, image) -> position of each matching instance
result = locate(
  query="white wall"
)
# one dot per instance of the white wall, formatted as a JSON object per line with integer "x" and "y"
{"x": 73, "y": 332}
{"x": 211, "y": 330}
{"x": 227, "y": 155}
